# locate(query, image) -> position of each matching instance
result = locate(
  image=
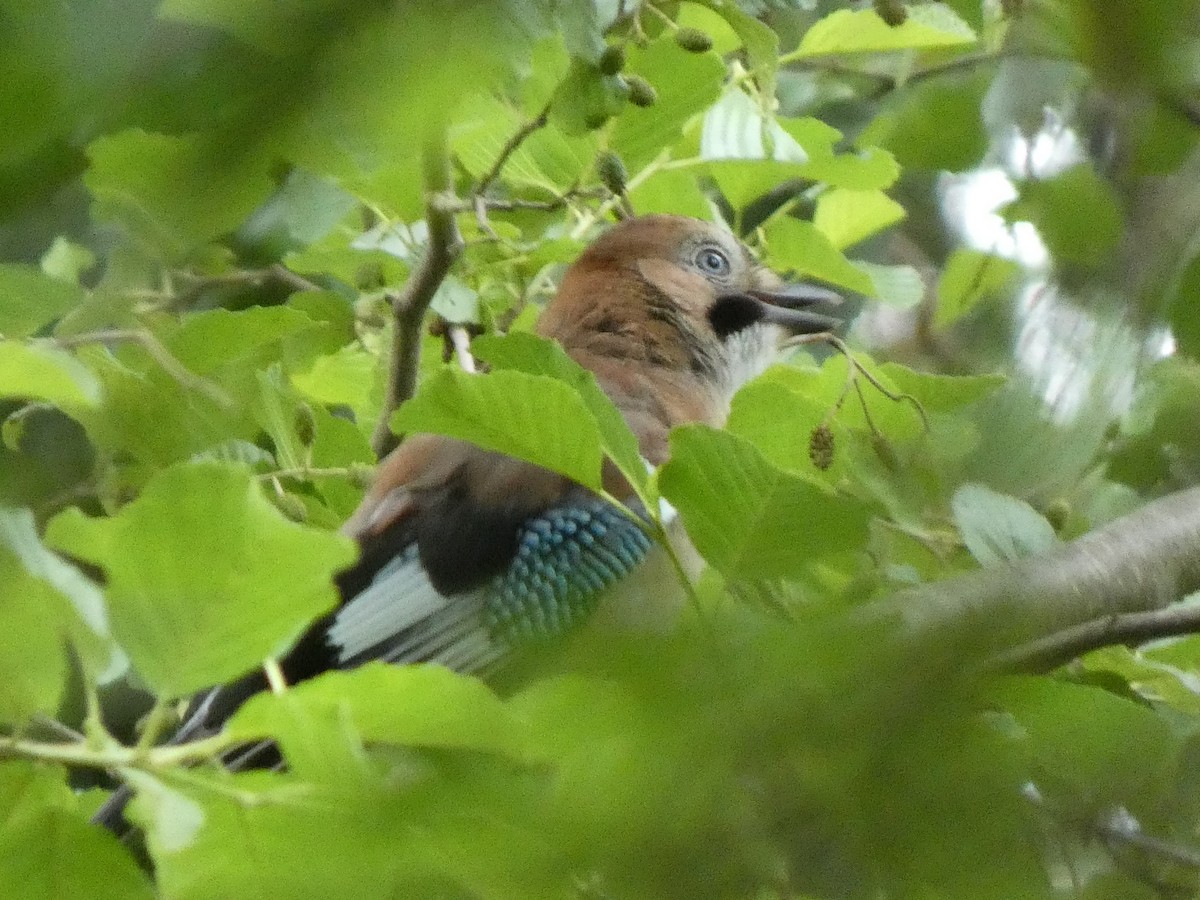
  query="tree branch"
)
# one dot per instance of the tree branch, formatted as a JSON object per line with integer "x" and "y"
{"x": 1138, "y": 564}
{"x": 410, "y": 304}
{"x": 1048, "y": 653}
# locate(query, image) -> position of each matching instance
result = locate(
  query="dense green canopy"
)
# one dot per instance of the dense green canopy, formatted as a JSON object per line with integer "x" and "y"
{"x": 237, "y": 235}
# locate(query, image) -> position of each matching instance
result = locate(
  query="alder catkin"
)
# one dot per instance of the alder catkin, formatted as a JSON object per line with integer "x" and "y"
{"x": 305, "y": 425}
{"x": 611, "y": 171}
{"x": 641, "y": 92}
{"x": 361, "y": 475}
{"x": 612, "y": 60}
{"x": 891, "y": 11}
{"x": 693, "y": 40}
{"x": 821, "y": 446}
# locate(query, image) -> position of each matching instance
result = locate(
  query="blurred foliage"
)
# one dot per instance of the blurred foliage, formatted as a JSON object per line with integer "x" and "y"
{"x": 207, "y": 205}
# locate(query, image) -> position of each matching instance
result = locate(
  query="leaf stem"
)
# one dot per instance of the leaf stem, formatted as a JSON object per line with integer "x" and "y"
{"x": 158, "y": 352}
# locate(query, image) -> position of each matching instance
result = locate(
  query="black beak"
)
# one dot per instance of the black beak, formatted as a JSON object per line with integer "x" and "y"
{"x": 789, "y": 306}
{"x": 793, "y": 307}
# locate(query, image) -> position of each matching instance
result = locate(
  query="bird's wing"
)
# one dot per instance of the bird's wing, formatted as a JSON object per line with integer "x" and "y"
{"x": 467, "y": 553}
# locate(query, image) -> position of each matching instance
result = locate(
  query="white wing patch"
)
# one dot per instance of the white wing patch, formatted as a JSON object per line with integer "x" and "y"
{"x": 401, "y": 617}
{"x": 398, "y": 597}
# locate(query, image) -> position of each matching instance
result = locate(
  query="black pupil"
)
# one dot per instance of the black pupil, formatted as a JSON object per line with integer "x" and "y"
{"x": 713, "y": 260}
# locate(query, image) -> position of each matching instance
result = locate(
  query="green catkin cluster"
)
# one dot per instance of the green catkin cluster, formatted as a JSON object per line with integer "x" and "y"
{"x": 821, "y": 446}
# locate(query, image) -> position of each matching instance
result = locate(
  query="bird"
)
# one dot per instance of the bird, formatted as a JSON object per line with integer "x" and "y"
{"x": 467, "y": 555}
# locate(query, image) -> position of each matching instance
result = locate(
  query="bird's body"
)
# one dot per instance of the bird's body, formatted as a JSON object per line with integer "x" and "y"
{"x": 467, "y": 554}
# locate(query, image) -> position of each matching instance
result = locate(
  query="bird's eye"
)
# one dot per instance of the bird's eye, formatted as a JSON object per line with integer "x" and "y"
{"x": 711, "y": 261}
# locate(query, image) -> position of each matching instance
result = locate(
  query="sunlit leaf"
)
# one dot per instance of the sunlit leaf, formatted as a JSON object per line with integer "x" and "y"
{"x": 686, "y": 84}
{"x": 847, "y": 217}
{"x": 749, "y": 519}
{"x": 30, "y": 299}
{"x": 799, "y": 246}
{"x": 998, "y": 528}
{"x": 928, "y": 26}
{"x": 968, "y": 278}
{"x": 427, "y": 706}
{"x": 532, "y": 417}
{"x": 195, "y": 589}
{"x": 48, "y": 850}
{"x": 538, "y": 356}
{"x": 41, "y": 372}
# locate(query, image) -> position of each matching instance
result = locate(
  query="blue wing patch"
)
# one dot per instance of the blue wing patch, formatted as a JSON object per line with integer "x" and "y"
{"x": 565, "y": 558}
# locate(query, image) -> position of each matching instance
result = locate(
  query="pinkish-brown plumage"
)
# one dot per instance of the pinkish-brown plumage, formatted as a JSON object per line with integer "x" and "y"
{"x": 635, "y": 309}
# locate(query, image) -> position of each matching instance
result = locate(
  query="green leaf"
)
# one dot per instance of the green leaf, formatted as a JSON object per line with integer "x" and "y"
{"x": 173, "y": 193}
{"x": 208, "y": 341}
{"x": 799, "y": 246}
{"x": 148, "y": 416}
{"x": 738, "y": 128}
{"x": 941, "y": 393}
{"x": 30, "y": 300}
{"x": 749, "y": 519}
{"x": 72, "y": 603}
{"x": 66, "y": 261}
{"x": 761, "y": 43}
{"x": 548, "y": 159}
{"x": 869, "y": 169}
{"x": 534, "y": 355}
{"x": 935, "y": 124}
{"x": 531, "y": 417}
{"x": 686, "y": 83}
{"x": 33, "y": 664}
{"x": 900, "y": 287}
{"x": 346, "y": 378}
{"x": 998, "y": 528}
{"x": 779, "y": 422}
{"x": 196, "y": 588}
{"x": 455, "y": 302}
{"x": 712, "y": 20}
{"x": 42, "y": 372}
{"x": 847, "y": 217}
{"x": 418, "y": 705}
{"x": 1076, "y": 214}
{"x": 928, "y": 26}
{"x": 49, "y": 851}
{"x": 673, "y": 191}
{"x": 968, "y": 278}
{"x": 1107, "y": 749}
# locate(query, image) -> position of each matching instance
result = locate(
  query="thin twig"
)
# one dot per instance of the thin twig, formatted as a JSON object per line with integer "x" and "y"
{"x": 517, "y": 203}
{"x": 411, "y": 303}
{"x": 510, "y": 147}
{"x": 309, "y": 472}
{"x": 158, "y": 352}
{"x": 1048, "y": 653}
{"x": 115, "y": 756}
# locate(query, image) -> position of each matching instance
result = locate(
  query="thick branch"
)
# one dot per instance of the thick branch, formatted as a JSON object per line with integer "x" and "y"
{"x": 1138, "y": 563}
{"x": 410, "y": 304}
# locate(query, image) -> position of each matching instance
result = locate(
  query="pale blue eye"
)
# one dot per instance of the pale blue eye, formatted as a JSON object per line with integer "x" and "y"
{"x": 712, "y": 262}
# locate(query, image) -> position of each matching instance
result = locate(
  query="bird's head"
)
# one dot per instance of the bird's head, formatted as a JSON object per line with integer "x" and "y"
{"x": 683, "y": 295}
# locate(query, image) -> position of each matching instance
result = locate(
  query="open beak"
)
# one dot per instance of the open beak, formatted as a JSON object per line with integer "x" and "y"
{"x": 793, "y": 307}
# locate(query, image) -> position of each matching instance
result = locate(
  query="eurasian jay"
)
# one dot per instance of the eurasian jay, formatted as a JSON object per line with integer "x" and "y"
{"x": 467, "y": 553}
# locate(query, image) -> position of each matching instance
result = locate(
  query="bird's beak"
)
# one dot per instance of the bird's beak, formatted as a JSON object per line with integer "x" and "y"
{"x": 792, "y": 306}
